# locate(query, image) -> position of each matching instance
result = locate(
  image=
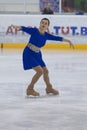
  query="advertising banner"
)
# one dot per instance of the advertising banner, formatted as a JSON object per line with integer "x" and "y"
{"x": 68, "y": 26}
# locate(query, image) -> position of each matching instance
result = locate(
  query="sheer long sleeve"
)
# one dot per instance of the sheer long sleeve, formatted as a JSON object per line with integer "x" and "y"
{"x": 53, "y": 37}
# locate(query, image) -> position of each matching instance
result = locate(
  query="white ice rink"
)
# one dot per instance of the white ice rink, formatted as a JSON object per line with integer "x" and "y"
{"x": 67, "y": 111}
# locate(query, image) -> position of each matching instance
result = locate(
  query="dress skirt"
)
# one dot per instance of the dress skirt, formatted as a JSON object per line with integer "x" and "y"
{"x": 32, "y": 59}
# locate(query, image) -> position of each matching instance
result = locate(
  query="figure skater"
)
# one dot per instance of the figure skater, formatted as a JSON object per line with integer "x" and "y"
{"x": 32, "y": 56}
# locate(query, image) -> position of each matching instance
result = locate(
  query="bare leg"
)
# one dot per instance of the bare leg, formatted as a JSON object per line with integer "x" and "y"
{"x": 49, "y": 88}
{"x": 30, "y": 89}
{"x": 46, "y": 76}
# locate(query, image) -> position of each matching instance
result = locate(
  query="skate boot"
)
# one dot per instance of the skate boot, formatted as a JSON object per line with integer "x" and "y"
{"x": 51, "y": 90}
{"x": 32, "y": 92}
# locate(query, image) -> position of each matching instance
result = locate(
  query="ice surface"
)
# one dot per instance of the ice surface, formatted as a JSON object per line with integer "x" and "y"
{"x": 68, "y": 111}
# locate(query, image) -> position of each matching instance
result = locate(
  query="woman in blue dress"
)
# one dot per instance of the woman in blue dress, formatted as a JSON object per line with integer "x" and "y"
{"x": 32, "y": 56}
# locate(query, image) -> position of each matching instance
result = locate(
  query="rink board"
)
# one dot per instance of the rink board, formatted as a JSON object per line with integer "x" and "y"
{"x": 72, "y": 27}
{"x": 47, "y": 46}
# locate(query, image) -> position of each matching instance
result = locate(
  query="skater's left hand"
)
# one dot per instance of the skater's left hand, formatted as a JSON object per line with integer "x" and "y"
{"x": 71, "y": 45}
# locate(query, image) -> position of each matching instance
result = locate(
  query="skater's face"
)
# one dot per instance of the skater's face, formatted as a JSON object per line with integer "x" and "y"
{"x": 44, "y": 24}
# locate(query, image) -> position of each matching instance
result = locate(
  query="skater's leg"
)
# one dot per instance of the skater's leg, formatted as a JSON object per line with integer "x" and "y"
{"x": 46, "y": 76}
{"x": 30, "y": 89}
{"x": 49, "y": 88}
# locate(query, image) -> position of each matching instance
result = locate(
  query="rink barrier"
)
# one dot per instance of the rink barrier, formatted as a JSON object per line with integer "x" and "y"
{"x": 47, "y": 46}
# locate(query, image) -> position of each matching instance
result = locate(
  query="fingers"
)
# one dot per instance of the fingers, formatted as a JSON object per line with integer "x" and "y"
{"x": 13, "y": 26}
{"x": 72, "y": 46}
{"x": 16, "y": 27}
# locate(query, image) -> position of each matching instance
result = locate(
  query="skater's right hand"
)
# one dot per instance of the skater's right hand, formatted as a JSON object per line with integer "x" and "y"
{"x": 16, "y": 27}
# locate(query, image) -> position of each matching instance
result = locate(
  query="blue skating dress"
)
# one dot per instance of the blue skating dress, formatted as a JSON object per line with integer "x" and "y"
{"x": 32, "y": 59}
